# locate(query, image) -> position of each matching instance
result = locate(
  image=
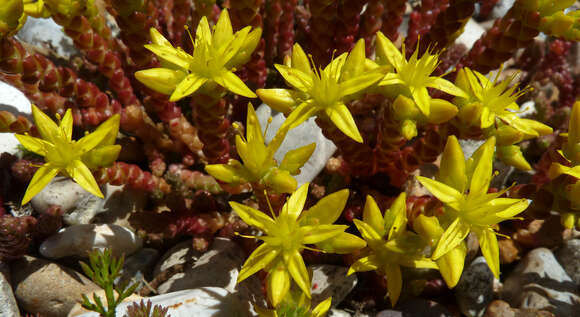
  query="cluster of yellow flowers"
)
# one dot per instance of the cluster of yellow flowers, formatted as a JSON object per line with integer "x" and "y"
{"x": 387, "y": 243}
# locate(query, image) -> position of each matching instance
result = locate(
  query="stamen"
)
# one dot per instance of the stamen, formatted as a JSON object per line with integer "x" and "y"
{"x": 238, "y": 129}
{"x": 190, "y": 36}
{"x": 267, "y": 126}
{"x": 269, "y": 205}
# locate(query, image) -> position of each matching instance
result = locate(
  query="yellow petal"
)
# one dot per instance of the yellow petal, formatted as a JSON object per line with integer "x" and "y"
{"x": 428, "y": 228}
{"x": 358, "y": 84}
{"x": 444, "y": 193}
{"x": 248, "y": 45}
{"x": 253, "y": 217}
{"x": 293, "y": 207}
{"x": 158, "y": 38}
{"x": 446, "y": 86}
{"x": 394, "y": 282}
{"x": 326, "y": 210}
{"x": 259, "y": 259}
{"x": 102, "y": 156}
{"x": 163, "y": 80}
{"x": 373, "y": 217}
{"x": 451, "y": 264}
{"x": 41, "y": 178}
{"x": 399, "y": 209}
{"x": 574, "y": 124}
{"x": 278, "y": 285}
{"x": 304, "y": 111}
{"x": 453, "y": 236}
{"x": 36, "y": 145}
{"x": 441, "y": 111}
{"x": 343, "y": 120}
{"x": 83, "y": 176}
{"x": 388, "y": 52}
{"x": 366, "y": 231}
{"x": 512, "y": 155}
{"x": 319, "y": 233}
{"x": 47, "y": 129}
{"x": 419, "y": 263}
{"x": 354, "y": 64}
{"x": 391, "y": 79}
{"x": 279, "y": 180}
{"x": 229, "y": 173}
{"x": 253, "y": 129}
{"x": 283, "y": 100}
{"x": 170, "y": 55}
{"x": 452, "y": 168}
{"x": 482, "y": 173}
{"x": 487, "y": 118}
{"x": 489, "y": 249}
{"x": 422, "y": 99}
{"x": 298, "y": 271}
{"x": 223, "y": 31}
{"x": 321, "y": 309}
{"x": 364, "y": 264}
{"x": 203, "y": 32}
{"x": 295, "y": 159}
{"x": 300, "y": 60}
{"x": 190, "y": 84}
{"x": 234, "y": 84}
{"x": 105, "y": 134}
{"x": 342, "y": 243}
{"x": 335, "y": 66}
{"x": 66, "y": 124}
{"x": 295, "y": 77}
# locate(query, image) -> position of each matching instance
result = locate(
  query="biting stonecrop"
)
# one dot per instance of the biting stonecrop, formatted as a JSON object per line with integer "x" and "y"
{"x": 390, "y": 245}
{"x": 287, "y": 234}
{"x": 259, "y": 165}
{"x": 323, "y": 91}
{"x": 214, "y": 59}
{"x": 462, "y": 186}
{"x": 72, "y": 158}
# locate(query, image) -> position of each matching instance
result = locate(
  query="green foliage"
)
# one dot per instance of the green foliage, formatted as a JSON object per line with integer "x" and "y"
{"x": 103, "y": 270}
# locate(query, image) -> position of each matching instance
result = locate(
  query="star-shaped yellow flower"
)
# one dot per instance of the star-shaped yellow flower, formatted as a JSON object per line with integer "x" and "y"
{"x": 323, "y": 91}
{"x": 287, "y": 234}
{"x": 412, "y": 77}
{"x": 215, "y": 57}
{"x": 390, "y": 245}
{"x": 64, "y": 155}
{"x": 259, "y": 164}
{"x": 463, "y": 187}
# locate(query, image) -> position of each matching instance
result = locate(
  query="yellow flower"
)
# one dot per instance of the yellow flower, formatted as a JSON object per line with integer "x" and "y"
{"x": 215, "y": 57}
{"x": 323, "y": 91}
{"x": 72, "y": 158}
{"x": 286, "y": 235}
{"x": 11, "y": 17}
{"x": 259, "y": 163}
{"x": 390, "y": 245}
{"x": 477, "y": 210}
{"x": 296, "y": 303}
{"x": 413, "y": 77}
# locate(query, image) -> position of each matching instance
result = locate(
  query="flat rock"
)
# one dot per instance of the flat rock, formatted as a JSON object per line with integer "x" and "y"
{"x": 475, "y": 288}
{"x": 79, "y": 310}
{"x": 139, "y": 266}
{"x": 41, "y": 286}
{"x": 331, "y": 280}
{"x": 569, "y": 257}
{"x": 499, "y": 308}
{"x": 47, "y": 34}
{"x": 204, "y": 301}
{"x": 304, "y": 134}
{"x": 471, "y": 33}
{"x": 79, "y": 240}
{"x": 13, "y": 101}
{"x": 333, "y": 312}
{"x": 80, "y": 206}
{"x": 218, "y": 267}
{"x": 539, "y": 282}
{"x": 8, "y": 306}
{"x": 501, "y": 8}
{"x": 390, "y": 313}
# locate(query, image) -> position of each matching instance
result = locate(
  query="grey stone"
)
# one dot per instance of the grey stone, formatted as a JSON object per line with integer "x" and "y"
{"x": 333, "y": 312}
{"x": 331, "y": 280}
{"x": 79, "y": 240}
{"x": 539, "y": 282}
{"x": 47, "y": 34}
{"x": 390, "y": 313}
{"x": 47, "y": 288}
{"x": 138, "y": 266}
{"x": 8, "y": 306}
{"x": 469, "y": 146}
{"x": 304, "y": 134}
{"x": 13, "y": 101}
{"x": 569, "y": 258}
{"x": 180, "y": 253}
{"x": 475, "y": 288}
{"x": 471, "y": 33}
{"x": 501, "y": 8}
{"x": 204, "y": 301}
